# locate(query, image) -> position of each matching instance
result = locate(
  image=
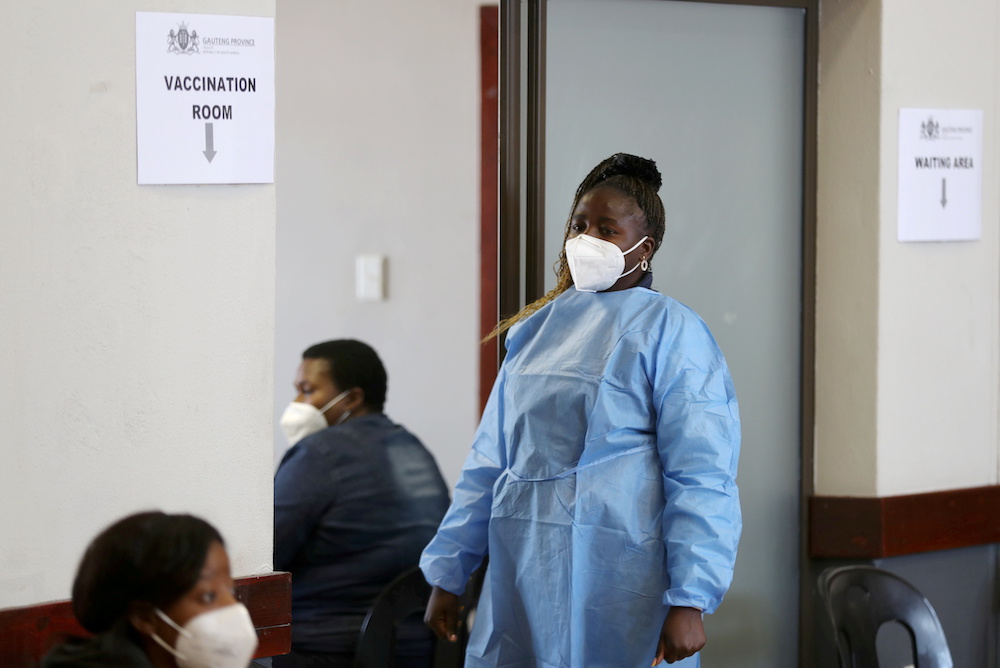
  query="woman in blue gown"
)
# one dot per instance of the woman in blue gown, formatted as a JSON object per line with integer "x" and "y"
{"x": 601, "y": 481}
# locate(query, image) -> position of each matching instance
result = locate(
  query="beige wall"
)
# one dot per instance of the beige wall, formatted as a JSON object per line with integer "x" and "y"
{"x": 907, "y": 370}
{"x": 137, "y": 331}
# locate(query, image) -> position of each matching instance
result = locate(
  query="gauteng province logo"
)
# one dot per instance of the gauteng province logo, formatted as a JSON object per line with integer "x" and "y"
{"x": 930, "y": 129}
{"x": 183, "y": 41}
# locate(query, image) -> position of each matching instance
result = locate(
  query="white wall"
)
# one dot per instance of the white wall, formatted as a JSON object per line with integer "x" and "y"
{"x": 939, "y": 302}
{"x": 378, "y": 152}
{"x": 137, "y": 322}
{"x": 907, "y": 333}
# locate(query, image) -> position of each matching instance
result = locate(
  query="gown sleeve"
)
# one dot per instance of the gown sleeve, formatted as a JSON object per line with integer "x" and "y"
{"x": 462, "y": 539}
{"x": 698, "y": 438}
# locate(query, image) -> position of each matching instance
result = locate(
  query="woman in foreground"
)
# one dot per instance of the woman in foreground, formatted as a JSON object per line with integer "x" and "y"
{"x": 156, "y": 592}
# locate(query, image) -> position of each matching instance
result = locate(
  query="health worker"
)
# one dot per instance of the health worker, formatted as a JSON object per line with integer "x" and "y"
{"x": 602, "y": 477}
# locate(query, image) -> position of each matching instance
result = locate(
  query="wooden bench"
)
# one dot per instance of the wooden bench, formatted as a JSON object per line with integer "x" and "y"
{"x": 27, "y": 633}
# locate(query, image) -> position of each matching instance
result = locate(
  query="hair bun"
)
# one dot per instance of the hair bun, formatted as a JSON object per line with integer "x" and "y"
{"x": 624, "y": 164}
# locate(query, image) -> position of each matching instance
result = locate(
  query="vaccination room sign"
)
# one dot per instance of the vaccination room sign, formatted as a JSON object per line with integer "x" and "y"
{"x": 204, "y": 88}
{"x": 940, "y": 174}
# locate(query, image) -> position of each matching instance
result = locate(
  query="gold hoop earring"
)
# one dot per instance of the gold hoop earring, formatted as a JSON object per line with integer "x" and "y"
{"x": 644, "y": 265}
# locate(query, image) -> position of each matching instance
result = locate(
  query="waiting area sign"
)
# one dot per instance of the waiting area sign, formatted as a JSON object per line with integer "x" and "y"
{"x": 940, "y": 174}
{"x": 204, "y": 87}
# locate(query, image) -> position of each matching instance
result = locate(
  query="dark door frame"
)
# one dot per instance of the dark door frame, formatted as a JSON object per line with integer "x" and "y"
{"x": 489, "y": 127}
{"x": 521, "y": 285}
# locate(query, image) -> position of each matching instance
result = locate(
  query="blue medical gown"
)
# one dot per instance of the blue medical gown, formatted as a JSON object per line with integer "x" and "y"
{"x": 601, "y": 482}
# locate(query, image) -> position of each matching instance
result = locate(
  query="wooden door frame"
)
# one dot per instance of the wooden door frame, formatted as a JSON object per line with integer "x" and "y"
{"x": 489, "y": 136}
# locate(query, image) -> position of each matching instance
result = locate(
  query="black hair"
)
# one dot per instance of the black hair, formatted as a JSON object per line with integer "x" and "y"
{"x": 630, "y": 175}
{"x": 149, "y": 557}
{"x": 353, "y": 364}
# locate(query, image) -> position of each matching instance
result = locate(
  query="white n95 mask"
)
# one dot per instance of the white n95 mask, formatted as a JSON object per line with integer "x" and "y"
{"x": 300, "y": 420}
{"x": 220, "y": 638}
{"x": 596, "y": 264}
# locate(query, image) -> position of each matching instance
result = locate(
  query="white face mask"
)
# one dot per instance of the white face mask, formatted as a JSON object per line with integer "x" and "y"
{"x": 596, "y": 264}
{"x": 300, "y": 420}
{"x": 220, "y": 638}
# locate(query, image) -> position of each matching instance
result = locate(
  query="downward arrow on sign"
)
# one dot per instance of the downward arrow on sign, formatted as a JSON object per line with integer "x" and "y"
{"x": 209, "y": 142}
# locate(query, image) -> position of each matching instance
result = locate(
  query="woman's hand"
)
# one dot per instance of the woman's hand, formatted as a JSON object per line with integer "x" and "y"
{"x": 442, "y": 614}
{"x": 682, "y": 635}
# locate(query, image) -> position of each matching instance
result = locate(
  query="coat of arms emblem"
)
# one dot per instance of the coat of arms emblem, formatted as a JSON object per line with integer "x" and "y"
{"x": 930, "y": 129}
{"x": 182, "y": 41}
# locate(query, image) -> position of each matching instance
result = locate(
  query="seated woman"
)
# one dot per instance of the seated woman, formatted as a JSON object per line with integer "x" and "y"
{"x": 356, "y": 499}
{"x": 156, "y": 591}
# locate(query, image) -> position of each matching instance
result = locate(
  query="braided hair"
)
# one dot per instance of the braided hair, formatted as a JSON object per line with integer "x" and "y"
{"x": 635, "y": 177}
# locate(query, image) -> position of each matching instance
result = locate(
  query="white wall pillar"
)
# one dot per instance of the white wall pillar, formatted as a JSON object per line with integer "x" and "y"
{"x": 138, "y": 322}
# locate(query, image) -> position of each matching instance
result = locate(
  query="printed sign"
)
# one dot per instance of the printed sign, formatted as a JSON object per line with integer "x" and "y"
{"x": 204, "y": 88}
{"x": 940, "y": 174}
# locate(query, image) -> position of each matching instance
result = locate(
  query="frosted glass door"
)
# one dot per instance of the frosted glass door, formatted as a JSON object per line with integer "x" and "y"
{"x": 714, "y": 94}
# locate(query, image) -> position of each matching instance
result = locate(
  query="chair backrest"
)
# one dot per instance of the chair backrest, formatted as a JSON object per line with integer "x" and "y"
{"x": 860, "y": 599}
{"x": 401, "y": 598}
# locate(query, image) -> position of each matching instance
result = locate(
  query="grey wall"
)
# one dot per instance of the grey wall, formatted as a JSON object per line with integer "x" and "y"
{"x": 378, "y": 153}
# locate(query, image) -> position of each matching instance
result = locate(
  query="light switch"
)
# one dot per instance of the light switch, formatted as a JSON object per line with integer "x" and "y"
{"x": 370, "y": 278}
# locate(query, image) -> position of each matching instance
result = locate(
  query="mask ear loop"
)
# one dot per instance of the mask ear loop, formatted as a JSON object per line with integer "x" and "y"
{"x": 163, "y": 643}
{"x": 639, "y": 243}
{"x": 644, "y": 264}
{"x": 333, "y": 402}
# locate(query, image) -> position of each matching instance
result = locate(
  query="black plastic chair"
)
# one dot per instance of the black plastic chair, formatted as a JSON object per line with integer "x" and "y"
{"x": 860, "y": 599}
{"x": 405, "y": 596}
